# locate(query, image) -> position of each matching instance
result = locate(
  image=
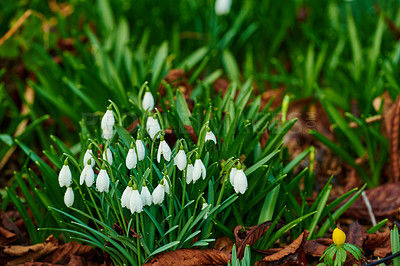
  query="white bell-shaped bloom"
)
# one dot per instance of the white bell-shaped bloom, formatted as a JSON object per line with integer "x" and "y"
{"x": 222, "y": 7}
{"x": 232, "y": 175}
{"x": 148, "y": 101}
{"x": 198, "y": 170}
{"x": 205, "y": 205}
{"x": 107, "y": 124}
{"x": 65, "y": 176}
{"x": 136, "y": 203}
{"x": 140, "y": 149}
{"x": 146, "y": 196}
{"x": 166, "y": 183}
{"x": 180, "y": 160}
{"x": 103, "y": 181}
{"x": 88, "y": 157}
{"x": 210, "y": 136}
{"x": 158, "y": 195}
{"x": 131, "y": 159}
{"x": 165, "y": 150}
{"x": 240, "y": 182}
{"x": 126, "y": 197}
{"x": 152, "y": 126}
{"x": 107, "y": 155}
{"x": 69, "y": 197}
{"x": 189, "y": 173}
{"x": 87, "y": 176}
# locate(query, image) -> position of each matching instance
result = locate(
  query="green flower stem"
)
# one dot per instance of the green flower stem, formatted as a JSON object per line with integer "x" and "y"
{"x": 122, "y": 219}
{"x": 151, "y": 160}
{"x": 95, "y": 205}
{"x": 137, "y": 239}
{"x": 218, "y": 202}
{"x": 84, "y": 202}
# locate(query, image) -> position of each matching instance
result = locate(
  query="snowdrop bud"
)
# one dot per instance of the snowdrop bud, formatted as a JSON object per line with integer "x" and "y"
{"x": 240, "y": 182}
{"x": 131, "y": 158}
{"x": 107, "y": 155}
{"x": 158, "y": 195}
{"x": 180, "y": 159}
{"x": 152, "y": 126}
{"x": 107, "y": 123}
{"x": 87, "y": 176}
{"x": 205, "y": 205}
{"x": 136, "y": 203}
{"x": 146, "y": 196}
{"x": 126, "y": 196}
{"x": 222, "y": 7}
{"x": 232, "y": 176}
{"x": 198, "y": 170}
{"x": 148, "y": 101}
{"x": 103, "y": 180}
{"x": 210, "y": 136}
{"x": 189, "y": 173}
{"x": 65, "y": 176}
{"x": 165, "y": 150}
{"x": 69, "y": 197}
{"x": 166, "y": 183}
{"x": 88, "y": 156}
{"x": 140, "y": 149}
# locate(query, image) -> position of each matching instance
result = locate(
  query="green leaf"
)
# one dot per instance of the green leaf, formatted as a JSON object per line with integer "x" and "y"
{"x": 182, "y": 108}
{"x": 164, "y": 248}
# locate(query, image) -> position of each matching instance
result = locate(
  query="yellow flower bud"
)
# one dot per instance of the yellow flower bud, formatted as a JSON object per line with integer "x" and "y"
{"x": 338, "y": 237}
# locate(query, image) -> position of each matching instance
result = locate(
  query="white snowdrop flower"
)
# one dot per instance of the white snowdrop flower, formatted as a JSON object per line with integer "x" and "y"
{"x": 131, "y": 158}
{"x": 103, "y": 180}
{"x": 222, "y": 7}
{"x": 88, "y": 156}
{"x": 232, "y": 175}
{"x": 158, "y": 195}
{"x": 146, "y": 196}
{"x": 165, "y": 150}
{"x": 189, "y": 173}
{"x": 69, "y": 197}
{"x": 166, "y": 183}
{"x": 65, "y": 176}
{"x": 141, "y": 152}
{"x": 210, "y": 136}
{"x": 180, "y": 159}
{"x": 87, "y": 176}
{"x": 126, "y": 196}
{"x": 107, "y": 123}
{"x": 136, "y": 203}
{"x": 205, "y": 205}
{"x": 240, "y": 183}
{"x": 148, "y": 101}
{"x": 152, "y": 126}
{"x": 107, "y": 155}
{"x": 198, "y": 170}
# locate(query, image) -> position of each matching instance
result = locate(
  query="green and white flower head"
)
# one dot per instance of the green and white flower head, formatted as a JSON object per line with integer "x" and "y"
{"x": 131, "y": 158}
{"x": 87, "y": 175}
{"x": 103, "y": 180}
{"x": 88, "y": 156}
{"x": 152, "y": 126}
{"x": 198, "y": 170}
{"x": 135, "y": 201}
{"x": 232, "y": 175}
{"x": 107, "y": 123}
{"x": 164, "y": 149}
{"x": 65, "y": 176}
{"x": 210, "y": 136}
{"x": 158, "y": 194}
{"x": 205, "y": 205}
{"x": 107, "y": 155}
{"x": 69, "y": 197}
{"x": 166, "y": 183}
{"x": 189, "y": 172}
{"x": 148, "y": 101}
{"x": 126, "y": 196}
{"x": 180, "y": 159}
{"x": 146, "y": 196}
{"x": 222, "y": 7}
{"x": 141, "y": 152}
{"x": 240, "y": 181}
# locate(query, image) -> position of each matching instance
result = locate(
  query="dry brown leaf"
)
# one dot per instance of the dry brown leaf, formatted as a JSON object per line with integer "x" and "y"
{"x": 356, "y": 237}
{"x": 223, "y": 243}
{"x": 188, "y": 256}
{"x": 394, "y": 141}
{"x": 293, "y": 254}
{"x": 6, "y": 237}
{"x": 379, "y": 243}
{"x": 64, "y": 253}
{"x": 317, "y": 247}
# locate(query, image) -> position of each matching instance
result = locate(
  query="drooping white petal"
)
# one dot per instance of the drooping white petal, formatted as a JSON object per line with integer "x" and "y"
{"x": 131, "y": 159}
{"x": 136, "y": 203}
{"x": 107, "y": 124}
{"x": 82, "y": 176}
{"x": 107, "y": 155}
{"x": 203, "y": 170}
{"x": 65, "y": 176}
{"x": 205, "y": 205}
{"x": 158, "y": 195}
{"x": 196, "y": 170}
{"x": 180, "y": 160}
{"x": 103, "y": 181}
{"x": 126, "y": 196}
{"x": 232, "y": 176}
{"x": 140, "y": 149}
{"x": 222, "y": 7}
{"x": 240, "y": 183}
{"x": 167, "y": 188}
{"x": 69, "y": 197}
{"x": 88, "y": 156}
{"x": 152, "y": 127}
{"x": 210, "y": 136}
{"x": 107, "y": 133}
{"x": 189, "y": 173}
{"x": 89, "y": 176}
{"x": 148, "y": 101}
{"x": 165, "y": 150}
{"x": 146, "y": 196}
